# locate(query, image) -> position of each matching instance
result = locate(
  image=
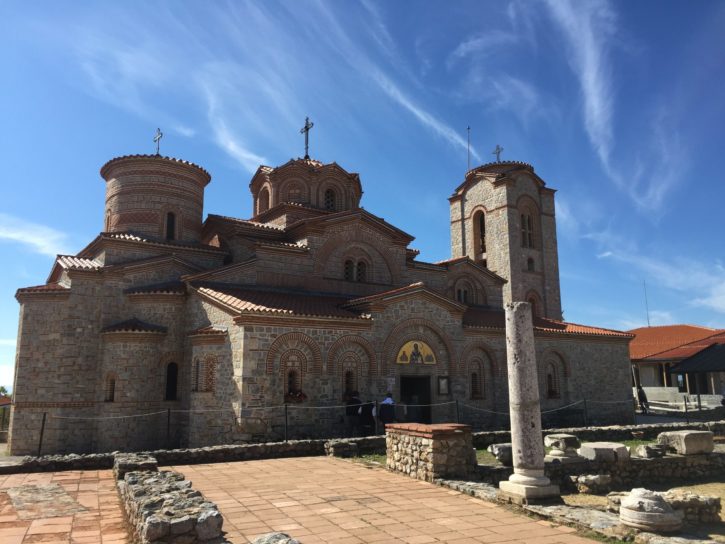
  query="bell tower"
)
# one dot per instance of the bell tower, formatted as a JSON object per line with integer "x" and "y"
{"x": 502, "y": 217}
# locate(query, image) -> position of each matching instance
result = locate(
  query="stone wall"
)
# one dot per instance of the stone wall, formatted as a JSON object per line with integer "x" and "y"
{"x": 427, "y": 452}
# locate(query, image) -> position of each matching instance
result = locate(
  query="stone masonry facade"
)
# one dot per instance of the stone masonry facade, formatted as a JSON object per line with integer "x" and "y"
{"x": 204, "y": 330}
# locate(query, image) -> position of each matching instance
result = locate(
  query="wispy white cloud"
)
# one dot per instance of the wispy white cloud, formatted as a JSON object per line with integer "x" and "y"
{"x": 590, "y": 30}
{"x": 8, "y": 342}
{"x": 427, "y": 119}
{"x": 38, "y": 238}
{"x": 656, "y": 318}
{"x": 481, "y": 45}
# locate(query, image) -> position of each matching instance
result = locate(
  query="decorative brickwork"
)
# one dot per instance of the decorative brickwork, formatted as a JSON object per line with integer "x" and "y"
{"x": 166, "y": 331}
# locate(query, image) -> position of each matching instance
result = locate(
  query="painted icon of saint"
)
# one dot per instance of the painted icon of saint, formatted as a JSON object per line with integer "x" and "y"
{"x": 416, "y": 357}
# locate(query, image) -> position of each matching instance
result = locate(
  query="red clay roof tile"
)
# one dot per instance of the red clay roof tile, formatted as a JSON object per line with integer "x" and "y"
{"x": 255, "y": 300}
{"x": 649, "y": 341}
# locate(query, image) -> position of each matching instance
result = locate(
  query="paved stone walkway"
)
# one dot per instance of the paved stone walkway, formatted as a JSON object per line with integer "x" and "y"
{"x": 319, "y": 499}
{"x": 54, "y": 507}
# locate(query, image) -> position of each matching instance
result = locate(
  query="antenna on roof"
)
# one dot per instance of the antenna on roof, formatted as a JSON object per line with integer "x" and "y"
{"x": 469, "y": 147}
{"x": 646, "y": 303}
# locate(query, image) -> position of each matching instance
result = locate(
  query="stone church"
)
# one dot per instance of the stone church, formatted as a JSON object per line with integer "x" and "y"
{"x": 218, "y": 330}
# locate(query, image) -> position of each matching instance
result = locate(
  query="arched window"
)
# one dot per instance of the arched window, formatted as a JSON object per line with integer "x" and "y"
{"x": 330, "y": 200}
{"x": 479, "y": 235}
{"x": 527, "y": 229}
{"x": 462, "y": 295}
{"x": 263, "y": 201}
{"x": 172, "y": 378}
{"x": 552, "y": 382}
{"x": 361, "y": 271}
{"x": 349, "y": 270}
{"x": 107, "y": 224}
{"x": 196, "y": 375}
{"x": 530, "y": 264}
{"x": 534, "y": 307}
{"x": 110, "y": 388}
{"x": 476, "y": 385}
{"x": 170, "y": 226}
{"x": 294, "y": 194}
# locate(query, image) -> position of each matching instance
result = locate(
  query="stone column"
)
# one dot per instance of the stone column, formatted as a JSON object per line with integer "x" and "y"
{"x": 528, "y": 482}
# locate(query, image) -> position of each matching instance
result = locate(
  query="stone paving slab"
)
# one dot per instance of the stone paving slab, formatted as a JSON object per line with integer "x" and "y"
{"x": 326, "y": 500}
{"x": 89, "y": 510}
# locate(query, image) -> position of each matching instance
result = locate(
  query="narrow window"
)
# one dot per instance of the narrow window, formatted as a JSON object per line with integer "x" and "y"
{"x": 330, "y": 200}
{"x": 361, "y": 272}
{"x": 293, "y": 384}
{"x": 527, "y": 230}
{"x": 172, "y": 376}
{"x": 349, "y": 270}
{"x": 530, "y": 264}
{"x": 552, "y": 382}
{"x": 196, "y": 372}
{"x": 110, "y": 389}
{"x": 534, "y": 307}
{"x": 263, "y": 203}
{"x": 475, "y": 385}
{"x": 170, "y": 226}
{"x": 482, "y": 232}
{"x": 108, "y": 221}
{"x": 459, "y": 295}
{"x": 350, "y": 384}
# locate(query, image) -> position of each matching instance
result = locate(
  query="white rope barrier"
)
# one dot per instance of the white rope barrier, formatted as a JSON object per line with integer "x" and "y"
{"x": 109, "y": 417}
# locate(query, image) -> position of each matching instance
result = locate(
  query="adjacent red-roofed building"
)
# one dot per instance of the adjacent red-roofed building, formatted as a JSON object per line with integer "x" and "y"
{"x": 171, "y": 330}
{"x": 658, "y": 352}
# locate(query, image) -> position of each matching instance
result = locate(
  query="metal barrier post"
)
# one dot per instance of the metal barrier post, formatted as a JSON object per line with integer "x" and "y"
{"x": 42, "y": 431}
{"x": 285, "y": 422}
{"x": 687, "y": 412}
{"x": 458, "y": 414}
{"x": 586, "y": 414}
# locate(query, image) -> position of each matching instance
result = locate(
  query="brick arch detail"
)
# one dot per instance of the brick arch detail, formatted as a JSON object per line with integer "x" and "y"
{"x": 362, "y": 239}
{"x": 556, "y": 355}
{"x": 480, "y": 287}
{"x": 396, "y": 339}
{"x": 343, "y": 342}
{"x": 497, "y": 370}
{"x": 280, "y": 345}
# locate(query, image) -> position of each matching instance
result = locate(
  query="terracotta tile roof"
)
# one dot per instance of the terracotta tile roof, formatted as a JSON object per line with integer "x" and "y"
{"x": 131, "y": 237}
{"x": 245, "y": 222}
{"x": 653, "y": 340}
{"x": 134, "y": 325}
{"x": 689, "y": 349}
{"x": 487, "y": 318}
{"x": 69, "y": 262}
{"x": 169, "y": 287}
{"x": 53, "y": 287}
{"x": 384, "y": 294}
{"x": 209, "y": 330}
{"x": 250, "y": 299}
{"x": 5, "y": 401}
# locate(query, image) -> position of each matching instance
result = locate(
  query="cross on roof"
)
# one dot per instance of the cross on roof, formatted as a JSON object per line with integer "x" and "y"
{"x": 497, "y": 152}
{"x": 157, "y": 139}
{"x": 306, "y": 131}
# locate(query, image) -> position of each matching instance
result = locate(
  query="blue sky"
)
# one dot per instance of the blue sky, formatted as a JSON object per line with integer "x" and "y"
{"x": 618, "y": 105}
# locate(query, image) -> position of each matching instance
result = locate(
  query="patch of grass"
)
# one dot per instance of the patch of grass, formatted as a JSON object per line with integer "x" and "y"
{"x": 485, "y": 457}
{"x": 372, "y": 459}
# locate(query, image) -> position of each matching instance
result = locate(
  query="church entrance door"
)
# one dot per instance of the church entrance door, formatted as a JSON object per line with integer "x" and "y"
{"x": 415, "y": 393}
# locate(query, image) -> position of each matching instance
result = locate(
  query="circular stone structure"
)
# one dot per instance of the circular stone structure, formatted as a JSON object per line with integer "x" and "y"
{"x": 648, "y": 511}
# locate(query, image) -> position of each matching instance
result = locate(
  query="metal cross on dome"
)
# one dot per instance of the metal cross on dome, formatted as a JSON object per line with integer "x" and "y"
{"x": 157, "y": 139}
{"x": 306, "y": 131}
{"x": 497, "y": 152}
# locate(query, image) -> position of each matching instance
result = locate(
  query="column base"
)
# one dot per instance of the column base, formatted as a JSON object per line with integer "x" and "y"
{"x": 529, "y": 494}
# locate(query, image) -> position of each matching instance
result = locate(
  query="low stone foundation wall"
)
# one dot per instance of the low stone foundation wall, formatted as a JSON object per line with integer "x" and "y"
{"x": 636, "y": 472}
{"x": 162, "y": 507}
{"x": 353, "y": 447}
{"x": 427, "y": 452}
{"x": 615, "y": 433}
